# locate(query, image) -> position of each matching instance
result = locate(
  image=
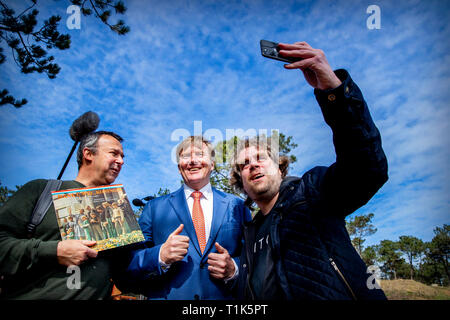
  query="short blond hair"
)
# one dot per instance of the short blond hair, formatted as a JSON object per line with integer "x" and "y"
{"x": 197, "y": 141}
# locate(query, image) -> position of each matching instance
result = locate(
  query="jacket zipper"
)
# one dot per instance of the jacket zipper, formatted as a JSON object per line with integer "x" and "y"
{"x": 249, "y": 274}
{"x": 342, "y": 277}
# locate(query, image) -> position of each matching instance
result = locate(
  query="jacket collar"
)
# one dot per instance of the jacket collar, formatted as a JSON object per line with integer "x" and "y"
{"x": 287, "y": 189}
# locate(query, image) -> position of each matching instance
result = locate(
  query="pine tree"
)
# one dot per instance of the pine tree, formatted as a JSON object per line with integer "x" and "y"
{"x": 360, "y": 227}
{"x": 390, "y": 257}
{"x": 440, "y": 247}
{"x": 6, "y": 193}
{"x": 412, "y": 247}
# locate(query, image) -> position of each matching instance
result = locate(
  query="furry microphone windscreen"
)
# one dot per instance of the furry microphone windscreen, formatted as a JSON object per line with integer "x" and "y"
{"x": 85, "y": 124}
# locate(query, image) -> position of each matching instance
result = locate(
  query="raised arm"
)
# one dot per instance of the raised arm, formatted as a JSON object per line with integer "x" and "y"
{"x": 361, "y": 166}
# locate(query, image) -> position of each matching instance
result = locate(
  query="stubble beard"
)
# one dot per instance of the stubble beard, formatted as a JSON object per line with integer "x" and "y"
{"x": 264, "y": 191}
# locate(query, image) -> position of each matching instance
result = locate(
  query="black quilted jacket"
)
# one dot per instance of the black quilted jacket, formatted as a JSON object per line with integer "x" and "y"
{"x": 313, "y": 255}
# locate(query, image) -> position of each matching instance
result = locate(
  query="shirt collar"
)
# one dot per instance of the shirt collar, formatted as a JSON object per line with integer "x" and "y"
{"x": 206, "y": 191}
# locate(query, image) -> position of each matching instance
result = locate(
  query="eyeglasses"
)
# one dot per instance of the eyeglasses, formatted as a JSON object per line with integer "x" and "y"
{"x": 188, "y": 156}
{"x": 248, "y": 161}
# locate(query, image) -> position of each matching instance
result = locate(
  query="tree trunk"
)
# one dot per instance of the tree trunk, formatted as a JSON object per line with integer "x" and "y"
{"x": 411, "y": 265}
{"x": 445, "y": 264}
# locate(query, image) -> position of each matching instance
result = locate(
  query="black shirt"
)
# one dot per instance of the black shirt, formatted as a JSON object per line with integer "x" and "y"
{"x": 263, "y": 280}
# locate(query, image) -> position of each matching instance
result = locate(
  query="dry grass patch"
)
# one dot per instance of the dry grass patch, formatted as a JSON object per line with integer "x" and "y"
{"x": 412, "y": 290}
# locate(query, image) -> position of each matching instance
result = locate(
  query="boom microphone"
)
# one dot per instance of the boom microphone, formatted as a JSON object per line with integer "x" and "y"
{"x": 86, "y": 123}
{"x": 140, "y": 203}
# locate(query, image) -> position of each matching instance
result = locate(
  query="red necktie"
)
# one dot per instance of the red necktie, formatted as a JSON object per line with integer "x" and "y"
{"x": 199, "y": 220}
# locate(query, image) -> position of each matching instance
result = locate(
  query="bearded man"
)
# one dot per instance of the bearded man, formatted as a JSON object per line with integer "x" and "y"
{"x": 297, "y": 246}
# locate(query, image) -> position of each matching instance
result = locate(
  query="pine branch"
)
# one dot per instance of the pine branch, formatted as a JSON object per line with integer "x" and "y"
{"x": 29, "y": 54}
{"x": 120, "y": 27}
{"x": 34, "y": 3}
{"x": 8, "y": 99}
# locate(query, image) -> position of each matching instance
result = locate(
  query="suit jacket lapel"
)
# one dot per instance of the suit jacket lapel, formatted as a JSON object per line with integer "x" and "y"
{"x": 179, "y": 205}
{"x": 220, "y": 207}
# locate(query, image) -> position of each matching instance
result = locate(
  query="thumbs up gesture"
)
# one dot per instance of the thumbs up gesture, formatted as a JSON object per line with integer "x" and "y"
{"x": 175, "y": 247}
{"x": 221, "y": 265}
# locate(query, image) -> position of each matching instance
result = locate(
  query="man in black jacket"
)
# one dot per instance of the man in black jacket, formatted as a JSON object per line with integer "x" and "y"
{"x": 297, "y": 246}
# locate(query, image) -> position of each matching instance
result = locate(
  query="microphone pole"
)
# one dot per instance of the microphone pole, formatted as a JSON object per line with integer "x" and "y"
{"x": 67, "y": 160}
{"x": 86, "y": 123}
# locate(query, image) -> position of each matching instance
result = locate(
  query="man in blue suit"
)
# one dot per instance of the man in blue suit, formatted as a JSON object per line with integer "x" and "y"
{"x": 194, "y": 234}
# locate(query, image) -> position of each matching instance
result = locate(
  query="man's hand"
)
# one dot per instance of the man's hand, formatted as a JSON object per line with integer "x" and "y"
{"x": 175, "y": 247}
{"x": 221, "y": 266}
{"x": 74, "y": 252}
{"x": 314, "y": 65}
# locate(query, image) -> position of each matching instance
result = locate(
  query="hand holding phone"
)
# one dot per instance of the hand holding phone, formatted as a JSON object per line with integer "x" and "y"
{"x": 313, "y": 64}
{"x": 270, "y": 50}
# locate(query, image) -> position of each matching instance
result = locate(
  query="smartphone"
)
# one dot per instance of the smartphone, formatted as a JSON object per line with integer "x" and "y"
{"x": 270, "y": 50}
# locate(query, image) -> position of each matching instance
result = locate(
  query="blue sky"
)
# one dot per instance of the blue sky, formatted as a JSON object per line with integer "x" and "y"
{"x": 186, "y": 61}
